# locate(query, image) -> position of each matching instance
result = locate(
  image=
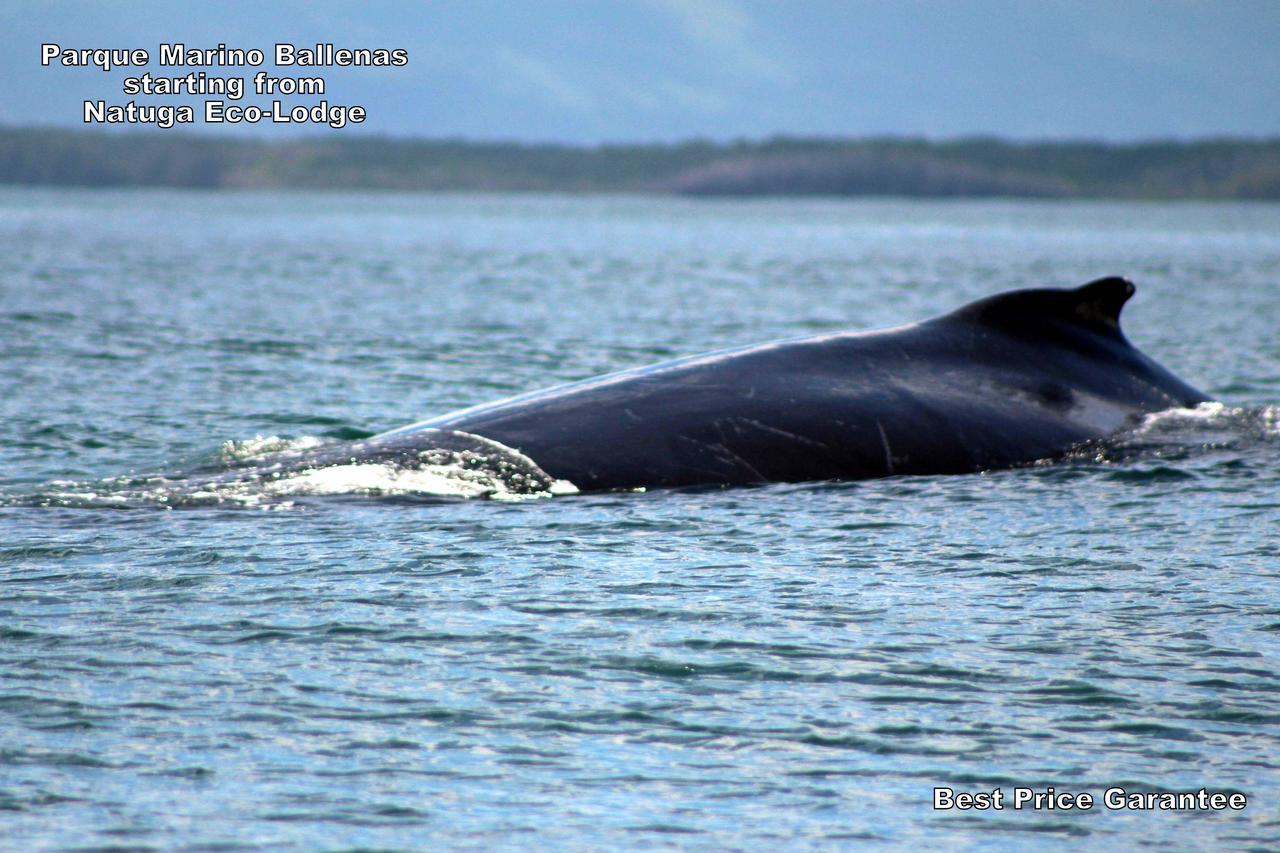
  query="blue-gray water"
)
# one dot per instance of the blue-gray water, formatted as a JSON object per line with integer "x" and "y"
{"x": 789, "y": 664}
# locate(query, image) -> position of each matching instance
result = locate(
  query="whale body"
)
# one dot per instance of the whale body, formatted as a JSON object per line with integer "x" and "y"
{"x": 1008, "y": 380}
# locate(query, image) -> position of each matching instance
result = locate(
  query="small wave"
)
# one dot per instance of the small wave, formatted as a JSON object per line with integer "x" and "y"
{"x": 1213, "y": 417}
{"x": 271, "y": 471}
{"x": 1206, "y": 427}
{"x": 1180, "y": 433}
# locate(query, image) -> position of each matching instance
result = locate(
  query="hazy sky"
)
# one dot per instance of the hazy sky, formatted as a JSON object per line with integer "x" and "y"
{"x": 567, "y": 70}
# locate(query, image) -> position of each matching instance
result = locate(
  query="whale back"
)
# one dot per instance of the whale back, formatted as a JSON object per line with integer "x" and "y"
{"x": 1006, "y": 380}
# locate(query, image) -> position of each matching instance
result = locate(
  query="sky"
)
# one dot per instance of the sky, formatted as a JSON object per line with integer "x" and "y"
{"x": 665, "y": 70}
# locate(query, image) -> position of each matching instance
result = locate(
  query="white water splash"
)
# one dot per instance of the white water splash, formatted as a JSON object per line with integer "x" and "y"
{"x": 450, "y": 481}
{"x": 259, "y": 446}
{"x": 432, "y": 463}
{"x": 1211, "y": 417}
{"x": 268, "y": 471}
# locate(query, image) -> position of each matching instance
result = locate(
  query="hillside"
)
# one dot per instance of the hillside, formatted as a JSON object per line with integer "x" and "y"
{"x": 1217, "y": 168}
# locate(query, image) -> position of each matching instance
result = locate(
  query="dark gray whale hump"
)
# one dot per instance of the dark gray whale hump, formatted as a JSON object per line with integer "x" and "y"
{"x": 1072, "y": 337}
{"x": 1094, "y": 307}
{"x": 1007, "y": 380}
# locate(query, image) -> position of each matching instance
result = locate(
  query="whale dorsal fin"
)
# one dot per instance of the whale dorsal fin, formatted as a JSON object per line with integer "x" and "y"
{"x": 1094, "y": 306}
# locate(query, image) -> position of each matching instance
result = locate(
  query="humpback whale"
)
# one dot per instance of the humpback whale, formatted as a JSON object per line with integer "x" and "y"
{"x": 1008, "y": 380}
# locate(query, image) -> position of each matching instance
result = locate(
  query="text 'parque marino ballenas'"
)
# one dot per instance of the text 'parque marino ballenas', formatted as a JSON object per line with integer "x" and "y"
{"x": 284, "y": 54}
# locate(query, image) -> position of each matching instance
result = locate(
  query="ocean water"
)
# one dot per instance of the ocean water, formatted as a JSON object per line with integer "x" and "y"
{"x": 369, "y": 658}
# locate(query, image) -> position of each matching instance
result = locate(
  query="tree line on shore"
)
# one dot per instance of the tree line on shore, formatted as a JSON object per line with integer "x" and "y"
{"x": 1207, "y": 168}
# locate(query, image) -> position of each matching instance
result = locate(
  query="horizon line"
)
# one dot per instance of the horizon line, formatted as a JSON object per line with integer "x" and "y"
{"x": 285, "y": 137}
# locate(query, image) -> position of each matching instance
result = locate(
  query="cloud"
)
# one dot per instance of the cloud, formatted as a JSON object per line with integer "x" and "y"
{"x": 693, "y": 99}
{"x": 601, "y": 91}
{"x": 543, "y": 80}
{"x": 714, "y": 22}
{"x": 723, "y": 28}
{"x": 663, "y": 96}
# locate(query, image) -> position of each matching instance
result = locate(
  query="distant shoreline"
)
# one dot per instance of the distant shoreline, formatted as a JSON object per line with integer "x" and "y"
{"x": 1220, "y": 168}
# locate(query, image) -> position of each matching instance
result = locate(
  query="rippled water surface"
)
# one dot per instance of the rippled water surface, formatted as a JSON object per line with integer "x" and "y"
{"x": 362, "y": 660}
